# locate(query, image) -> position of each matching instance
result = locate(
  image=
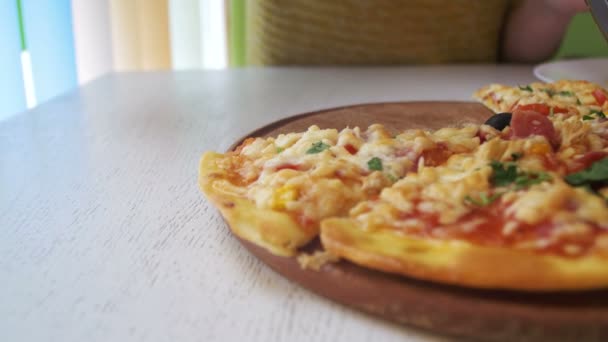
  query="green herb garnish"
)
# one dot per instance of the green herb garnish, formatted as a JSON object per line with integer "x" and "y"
{"x": 526, "y": 88}
{"x": 597, "y": 172}
{"x": 280, "y": 149}
{"x": 565, "y": 93}
{"x": 317, "y": 147}
{"x": 506, "y": 174}
{"x": 549, "y": 92}
{"x": 593, "y": 176}
{"x": 578, "y": 101}
{"x": 483, "y": 200}
{"x": 526, "y": 179}
{"x": 516, "y": 156}
{"x": 392, "y": 177}
{"x": 594, "y": 114}
{"x": 375, "y": 164}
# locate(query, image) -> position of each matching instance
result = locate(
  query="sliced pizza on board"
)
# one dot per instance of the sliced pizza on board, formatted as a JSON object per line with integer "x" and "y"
{"x": 518, "y": 203}
{"x": 496, "y": 218}
{"x": 274, "y": 192}
{"x": 581, "y": 98}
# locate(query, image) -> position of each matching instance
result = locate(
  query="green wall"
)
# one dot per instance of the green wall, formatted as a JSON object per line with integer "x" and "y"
{"x": 583, "y": 39}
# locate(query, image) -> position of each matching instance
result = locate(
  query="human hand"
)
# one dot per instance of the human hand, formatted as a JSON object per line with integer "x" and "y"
{"x": 566, "y": 7}
{"x": 535, "y": 28}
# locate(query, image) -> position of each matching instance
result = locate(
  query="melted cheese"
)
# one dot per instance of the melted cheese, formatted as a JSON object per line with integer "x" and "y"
{"x": 429, "y": 180}
{"x": 574, "y": 96}
{"x": 326, "y": 183}
{"x": 442, "y": 191}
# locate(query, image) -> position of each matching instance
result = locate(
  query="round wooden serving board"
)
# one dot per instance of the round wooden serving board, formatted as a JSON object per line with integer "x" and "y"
{"x": 450, "y": 310}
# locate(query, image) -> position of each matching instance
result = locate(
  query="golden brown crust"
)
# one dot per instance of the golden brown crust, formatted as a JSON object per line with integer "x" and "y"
{"x": 461, "y": 263}
{"x": 274, "y": 230}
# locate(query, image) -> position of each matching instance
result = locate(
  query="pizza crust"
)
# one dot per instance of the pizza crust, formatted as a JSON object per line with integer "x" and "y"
{"x": 461, "y": 263}
{"x": 276, "y": 231}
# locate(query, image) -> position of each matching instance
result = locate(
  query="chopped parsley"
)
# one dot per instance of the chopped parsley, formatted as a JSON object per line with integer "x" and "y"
{"x": 506, "y": 174}
{"x": 578, "y": 101}
{"x": 594, "y": 114}
{"x": 280, "y": 149}
{"x": 565, "y": 93}
{"x": 597, "y": 172}
{"x": 549, "y": 92}
{"x": 591, "y": 178}
{"x": 483, "y": 200}
{"x": 526, "y": 179}
{"x": 526, "y": 88}
{"x": 317, "y": 147}
{"x": 392, "y": 177}
{"x": 375, "y": 164}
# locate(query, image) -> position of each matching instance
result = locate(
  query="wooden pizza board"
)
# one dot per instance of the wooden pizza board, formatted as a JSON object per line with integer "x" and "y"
{"x": 448, "y": 310}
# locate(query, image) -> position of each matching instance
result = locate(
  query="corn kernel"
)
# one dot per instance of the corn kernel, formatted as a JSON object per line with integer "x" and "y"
{"x": 540, "y": 148}
{"x": 283, "y": 195}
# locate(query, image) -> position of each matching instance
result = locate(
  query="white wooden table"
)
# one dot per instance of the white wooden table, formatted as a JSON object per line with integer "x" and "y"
{"x": 104, "y": 235}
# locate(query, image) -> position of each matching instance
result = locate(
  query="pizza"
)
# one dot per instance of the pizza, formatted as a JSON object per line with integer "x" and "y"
{"x": 525, "y": 193}
{"x": 581, "y": 98}
{"x": 275, "y": 191}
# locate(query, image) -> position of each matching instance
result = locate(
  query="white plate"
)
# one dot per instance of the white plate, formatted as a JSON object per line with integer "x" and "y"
{"x": 590, "y": 69}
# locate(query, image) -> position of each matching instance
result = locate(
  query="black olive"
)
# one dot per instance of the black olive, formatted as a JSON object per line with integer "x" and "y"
{"x": 499, "y": 121}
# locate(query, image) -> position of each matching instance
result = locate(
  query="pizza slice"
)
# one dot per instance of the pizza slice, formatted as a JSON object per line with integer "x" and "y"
{"x": 581, "y": 98}
{"x": 576, "y": 138}
{"x": 496, "y": 218}
{"x": 274, "y": 192}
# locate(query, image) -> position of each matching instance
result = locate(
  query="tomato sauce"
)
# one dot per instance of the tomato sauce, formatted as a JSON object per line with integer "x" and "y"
{"x": 551, "y": 163}
{"x": 288, "y": 166}
{"x": 541, "y": 108}
{"x": 351, "y": 149}
{"x": 490, "y": 232}
{"x": 309, "y": 224}
{"x": 585, "y": 161}
{"x": 435, "y": 156}
{"x": 600, "y": 97}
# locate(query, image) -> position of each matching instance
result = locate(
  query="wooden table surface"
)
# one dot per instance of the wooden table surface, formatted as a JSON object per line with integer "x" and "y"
{"x": 104, "y": 235}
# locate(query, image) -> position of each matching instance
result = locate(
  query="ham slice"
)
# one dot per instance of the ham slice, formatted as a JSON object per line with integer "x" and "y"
{"x": 525, "y": 123}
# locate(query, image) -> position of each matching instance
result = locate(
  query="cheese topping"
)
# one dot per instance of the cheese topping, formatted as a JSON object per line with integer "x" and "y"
{"x": 577, "y": 98}
{"x": 442, "y": 199}
{"x": 323, "y": 172}
{"x": 469, "y": 182}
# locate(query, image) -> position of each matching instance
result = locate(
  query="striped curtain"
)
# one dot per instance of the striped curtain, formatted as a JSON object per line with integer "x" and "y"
{"x": 48, "y": 40}
{"x": 49, "y": 47}
{"x": 12, "y": 96}
{"x": 37, "y": 61}
{"x": 198, "y": 34}
{"x": 149, "y": 35}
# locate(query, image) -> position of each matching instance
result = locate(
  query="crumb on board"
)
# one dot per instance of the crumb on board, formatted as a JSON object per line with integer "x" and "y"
{"x": 316, "y": 260}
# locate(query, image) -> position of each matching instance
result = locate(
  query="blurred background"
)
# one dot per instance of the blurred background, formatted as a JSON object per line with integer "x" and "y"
{"x": 51, "y": 47}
